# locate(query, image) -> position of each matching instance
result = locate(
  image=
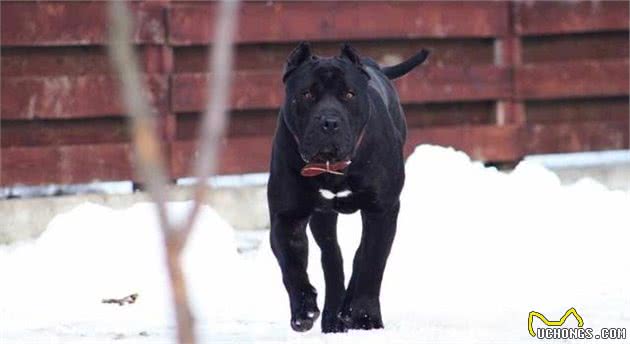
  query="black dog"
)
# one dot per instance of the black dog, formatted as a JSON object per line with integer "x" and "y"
{"x": 338, "y": 148}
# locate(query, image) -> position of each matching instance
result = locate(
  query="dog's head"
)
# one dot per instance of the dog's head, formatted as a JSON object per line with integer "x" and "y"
{"x": 326, "y": 103}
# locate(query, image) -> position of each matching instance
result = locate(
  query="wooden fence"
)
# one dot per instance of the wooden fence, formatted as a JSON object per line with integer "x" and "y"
{"x": 504, "y": 79}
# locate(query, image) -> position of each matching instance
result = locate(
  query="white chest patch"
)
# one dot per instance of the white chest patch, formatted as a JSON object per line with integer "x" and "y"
{"x": 327, "y": 194}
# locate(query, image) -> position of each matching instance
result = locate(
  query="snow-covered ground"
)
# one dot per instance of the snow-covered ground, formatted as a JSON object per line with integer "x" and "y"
{"x": 476, "y": 251}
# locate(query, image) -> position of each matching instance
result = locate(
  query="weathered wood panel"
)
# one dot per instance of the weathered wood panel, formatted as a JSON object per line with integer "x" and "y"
{"x": 616, "y": 109}
{"x": 575, "y": 47}
{"x": 482, "y": 142}
{"x": 242, "y": 123}
{"x": 505, "y": 78}
{"x": 30, "y": 23}
{"x": 71, "y": 96}
{"x": 572, "y": 79}
{"x": 450, "y": 114}
{"x": 73, "y": 61}
{"x": 262, "y": 22}
{"x": 263, "y": 122}
{"x": 486, "y": 142}
{"x": 452, "y": 51}
{"x": 555, "y": 17}
{"x": 576, "y": 137}
{"x": 64, "y": 132}
{"x": 454, "y": 83}
{"x": 264, "y": 89}
{"x": 250, "y": 90}
{"x": 238, "y": 155}
{"x": 65, "y": 164}
{"x": 54, "y": 61}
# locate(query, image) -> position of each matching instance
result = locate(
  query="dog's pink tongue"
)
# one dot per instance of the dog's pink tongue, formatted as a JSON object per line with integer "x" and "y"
{"x": 315, "y": 169}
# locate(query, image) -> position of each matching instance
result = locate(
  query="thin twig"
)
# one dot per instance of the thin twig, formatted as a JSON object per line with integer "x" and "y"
{"x": 127, "y": 300}
{"x": 150, "y": 161}
{"x": 215, "y": 117}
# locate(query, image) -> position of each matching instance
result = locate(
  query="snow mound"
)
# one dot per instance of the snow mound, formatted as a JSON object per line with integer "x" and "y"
{"x": 476, "y": 251}
{"x": 92, "y": 253}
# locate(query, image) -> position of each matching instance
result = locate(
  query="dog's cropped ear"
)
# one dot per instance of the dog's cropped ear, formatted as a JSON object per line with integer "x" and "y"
{"x": 300, "y": 54}
{"x": 351, "y": 54}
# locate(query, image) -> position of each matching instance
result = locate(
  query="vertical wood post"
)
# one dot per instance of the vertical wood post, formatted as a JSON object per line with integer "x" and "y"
{"x": 158, "y": 59}
{"x": 508, "y": 54}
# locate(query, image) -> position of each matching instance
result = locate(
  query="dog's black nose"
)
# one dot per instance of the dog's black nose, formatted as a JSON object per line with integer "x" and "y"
{"x": 330, "y": 124}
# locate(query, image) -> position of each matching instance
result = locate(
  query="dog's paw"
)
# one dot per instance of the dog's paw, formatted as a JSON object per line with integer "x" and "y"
{"x": 304, "y": 321}
{"x": 332, "y": 324}
{"x": 361, "y": 315}
{"x": 305, "y": 315}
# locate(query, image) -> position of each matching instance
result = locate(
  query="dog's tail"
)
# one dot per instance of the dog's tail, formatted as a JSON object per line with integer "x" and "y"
{"x": 396, "y": 71}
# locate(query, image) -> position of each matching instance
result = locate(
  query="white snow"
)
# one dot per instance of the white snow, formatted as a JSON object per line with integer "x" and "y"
{"x": 582, "y": 159}
{"x": 476, "y": 251}
{"x": 26, "y": 191}
{"x": 235, "y": 180}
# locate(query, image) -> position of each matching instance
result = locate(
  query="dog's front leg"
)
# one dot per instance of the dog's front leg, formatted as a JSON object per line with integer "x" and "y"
{"x": 290, "y": 246}
{"x": 324, "y": 229}
{"x": 361, "y": 308}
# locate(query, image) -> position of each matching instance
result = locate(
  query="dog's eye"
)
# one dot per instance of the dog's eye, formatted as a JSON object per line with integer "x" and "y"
{"x": 349, "y": 95}
{"x": 307, "y": 95}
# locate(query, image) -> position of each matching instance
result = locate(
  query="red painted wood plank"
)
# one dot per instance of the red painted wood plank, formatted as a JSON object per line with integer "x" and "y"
{"x": 554, "y": 17}
{"x": 30, "y": 23}
{"x": 483, "y": 142}
{"x": 77, "y": 60}
{"x": 66, "y": 164}
{"x": 508, "y": 53}
{"x": 63, "y": 132}
{"x": 251, "y": 153}
{"x": 242, "y": 123}
{"x": 572, "y": 79}
{"x": 511, "y": 142}
{"x": 191, "y": 23}
{"x": 578, "y": 110}
{"x": 29, "y": 165}
{"x": 454, "y": 83}
{"x": 70, "y": 96}
{"x": 38, "y": 61}
{"x": 576, "y": 137}
{"x": 263, "y": 122}
{"x": 264, "y": 89}
{"x": 83, "y": 163}
{"x": 251, "y": 90}
{"x": 455, "y": 51}
{"x": 239, "y": 155}
{"x": 588, "y": 46}
{"x": 449, "y": 114}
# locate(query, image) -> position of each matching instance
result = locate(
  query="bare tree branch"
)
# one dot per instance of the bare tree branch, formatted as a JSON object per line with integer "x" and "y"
{"x": 148, "y": 155}
{"x": 150, "y": 162}
{"x": 215, "y": 117}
